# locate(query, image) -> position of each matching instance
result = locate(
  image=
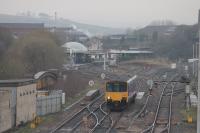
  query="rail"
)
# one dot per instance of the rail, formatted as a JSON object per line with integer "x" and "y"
{"x": 168, "y": 126}
{"x": 65, "y": 121}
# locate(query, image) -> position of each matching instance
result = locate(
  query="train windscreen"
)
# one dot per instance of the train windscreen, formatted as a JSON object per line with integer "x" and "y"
{"x": 116, "y": 87}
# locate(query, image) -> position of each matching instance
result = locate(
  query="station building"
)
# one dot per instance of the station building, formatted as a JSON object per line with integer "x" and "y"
{"x": 17, "y": 102}
{"x": 77, "y": 52}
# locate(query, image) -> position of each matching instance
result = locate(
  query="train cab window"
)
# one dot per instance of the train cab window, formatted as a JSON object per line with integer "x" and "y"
{"x": 116, "y": 87}
{"x": 123, "y": 87}
{"x": 109, "y": 87}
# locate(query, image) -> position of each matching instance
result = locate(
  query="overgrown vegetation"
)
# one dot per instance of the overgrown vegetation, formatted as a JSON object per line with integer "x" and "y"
{"x": 28, "y": 54}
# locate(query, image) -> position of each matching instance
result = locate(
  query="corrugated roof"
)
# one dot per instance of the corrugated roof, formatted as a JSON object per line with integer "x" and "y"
{"x": 39, "y": 74}
{"x": 16, "y": 82}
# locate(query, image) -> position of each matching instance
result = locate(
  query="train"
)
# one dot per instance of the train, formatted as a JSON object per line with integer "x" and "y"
{"x": 120, "y": 93}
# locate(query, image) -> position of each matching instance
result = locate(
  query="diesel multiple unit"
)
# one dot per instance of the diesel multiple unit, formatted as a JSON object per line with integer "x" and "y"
{"x": 120, "y": 92}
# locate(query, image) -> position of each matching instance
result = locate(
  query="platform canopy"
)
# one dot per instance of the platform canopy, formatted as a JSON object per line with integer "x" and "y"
{"x": 75, "y": 47}
{"x": 113, "y": 51}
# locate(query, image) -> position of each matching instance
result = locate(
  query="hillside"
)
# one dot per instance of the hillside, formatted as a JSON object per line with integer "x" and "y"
{"x": 93, "y": 29}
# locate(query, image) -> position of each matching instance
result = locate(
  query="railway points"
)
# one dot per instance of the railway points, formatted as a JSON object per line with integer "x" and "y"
{"x": 90, "y": 113}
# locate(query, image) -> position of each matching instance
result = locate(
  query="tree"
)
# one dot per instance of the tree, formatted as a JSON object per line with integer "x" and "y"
{"x": 34, "y": 52}
{"x": 11, "y": 68}
{"x": 6, "y": 40}
{"x": 44, "y": 15}
{"x": 162, "y": 23}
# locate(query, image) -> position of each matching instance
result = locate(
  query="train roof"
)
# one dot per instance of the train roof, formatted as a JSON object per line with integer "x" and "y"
{"x": 123, "y": 78}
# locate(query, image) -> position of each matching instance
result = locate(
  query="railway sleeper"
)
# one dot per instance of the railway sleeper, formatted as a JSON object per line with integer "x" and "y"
{"x": 67, "y": 130}
{"x": 162, "y": 121}
{"x": 161, "y": 129}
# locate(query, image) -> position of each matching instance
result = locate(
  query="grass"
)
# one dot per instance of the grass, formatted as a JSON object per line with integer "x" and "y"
{"x": 27, "y": 129}
{"x": 71, "y": 100}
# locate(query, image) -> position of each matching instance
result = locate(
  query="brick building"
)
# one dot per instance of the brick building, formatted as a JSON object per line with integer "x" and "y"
{"x": 20, "y": 29}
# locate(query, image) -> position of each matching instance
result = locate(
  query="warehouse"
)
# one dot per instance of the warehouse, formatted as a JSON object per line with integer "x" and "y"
{"x": 22, "y": 101}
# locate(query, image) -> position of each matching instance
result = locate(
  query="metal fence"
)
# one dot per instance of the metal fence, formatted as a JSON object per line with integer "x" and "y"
{"x": 48, "y": 104}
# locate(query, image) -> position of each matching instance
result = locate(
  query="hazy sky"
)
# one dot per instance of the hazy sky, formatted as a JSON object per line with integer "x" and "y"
{"x": 113, "y": 13}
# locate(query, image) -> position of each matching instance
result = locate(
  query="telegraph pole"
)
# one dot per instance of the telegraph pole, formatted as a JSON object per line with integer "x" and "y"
{"x": 198, "y": 104}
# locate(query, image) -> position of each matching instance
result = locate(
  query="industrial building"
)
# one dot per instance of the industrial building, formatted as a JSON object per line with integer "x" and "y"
{"x": 5, "y": 111}
{"x": 20, "y": 29}
{"x": 17, "y": 102}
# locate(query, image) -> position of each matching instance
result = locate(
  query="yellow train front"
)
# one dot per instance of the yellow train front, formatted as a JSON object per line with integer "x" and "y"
{"x": 120, "y": 93}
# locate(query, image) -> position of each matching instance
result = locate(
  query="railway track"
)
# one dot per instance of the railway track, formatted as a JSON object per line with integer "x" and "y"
{"x": 72, "y": 124}
{"x": 99, "y": 119}
{"x": 144, "y": 115}
{"x": 162, "y": 118}
{"x": 142, "y": 84}
{"x": 92, "y": 119}
{"x": 100, "y": 126}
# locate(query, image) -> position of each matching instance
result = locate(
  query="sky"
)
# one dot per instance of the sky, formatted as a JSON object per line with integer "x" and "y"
{"x": 111, "y": 13}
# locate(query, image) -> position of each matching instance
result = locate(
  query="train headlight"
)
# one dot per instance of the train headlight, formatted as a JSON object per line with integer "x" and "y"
{"x": 108, "y": 97}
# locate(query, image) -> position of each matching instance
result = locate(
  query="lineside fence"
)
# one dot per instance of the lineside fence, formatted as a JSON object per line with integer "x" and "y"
{"x": 49, "y": 104}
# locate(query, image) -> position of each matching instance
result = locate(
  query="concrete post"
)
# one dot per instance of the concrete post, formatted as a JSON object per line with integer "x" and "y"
{"x": 196, "y": 63}
{"x": 198, "y": 107}
{"x": 187, "y": 91}
{"x": 193, "y": 72}
{"x": 104, "y": 62}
